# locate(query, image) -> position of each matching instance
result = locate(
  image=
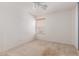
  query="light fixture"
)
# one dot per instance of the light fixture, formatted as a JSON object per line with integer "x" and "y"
{"x": 40, "y": 5}
{"x": 38, "y": 9}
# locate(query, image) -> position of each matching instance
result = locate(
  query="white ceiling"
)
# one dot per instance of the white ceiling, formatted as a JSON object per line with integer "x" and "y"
{"x": 52, "y": 6}
{"x": 57, "y": 6}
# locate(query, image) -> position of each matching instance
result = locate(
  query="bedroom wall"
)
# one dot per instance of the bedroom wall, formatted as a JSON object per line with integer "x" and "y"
{"x": 59, "y": 27}
{"x": 16, "y": 26}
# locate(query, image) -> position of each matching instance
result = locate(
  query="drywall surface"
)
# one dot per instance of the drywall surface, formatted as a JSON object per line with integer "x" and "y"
{"x": 16, "y": 25}
{"x": 59, "y": 27}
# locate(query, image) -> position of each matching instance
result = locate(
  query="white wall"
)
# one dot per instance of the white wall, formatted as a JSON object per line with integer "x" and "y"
{"x": 16, "y": 26}
{"x": 75, "y": 22}
{"x": 59, "y": 27}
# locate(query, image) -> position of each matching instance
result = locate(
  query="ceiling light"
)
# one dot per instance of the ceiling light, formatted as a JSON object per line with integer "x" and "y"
{"x": 40, "y": 5}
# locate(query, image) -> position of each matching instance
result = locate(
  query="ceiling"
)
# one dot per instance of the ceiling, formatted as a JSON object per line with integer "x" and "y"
{"x": 56, "y": 6}
{"x": 52, "y": 6}
{"x": 59, "y": 6}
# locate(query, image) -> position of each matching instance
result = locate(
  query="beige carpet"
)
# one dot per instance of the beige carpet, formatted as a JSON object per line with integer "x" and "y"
{"x": 42, "y": 48}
